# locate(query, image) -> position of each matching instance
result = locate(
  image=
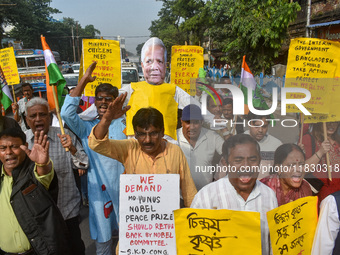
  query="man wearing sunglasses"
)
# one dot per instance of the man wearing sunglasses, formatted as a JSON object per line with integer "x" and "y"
{"x": 103, "y": 182}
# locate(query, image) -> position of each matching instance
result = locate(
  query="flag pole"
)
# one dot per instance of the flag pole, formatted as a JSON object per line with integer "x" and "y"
{"x": 329, "y": 170}
{"x": 57, "y": 111}
{"x": 302, "y": 122}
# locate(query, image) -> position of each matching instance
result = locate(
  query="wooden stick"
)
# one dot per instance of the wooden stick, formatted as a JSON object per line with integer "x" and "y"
{"x": 301, "y": 131}
{"x": 57, "y": 111}
{"x": 327, "y": 154}
{"x": 14, "y": 99}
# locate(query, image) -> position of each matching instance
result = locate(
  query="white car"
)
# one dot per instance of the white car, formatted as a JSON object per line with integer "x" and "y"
{"x": 71, "y": 79}
{"x": 75, "y": 68}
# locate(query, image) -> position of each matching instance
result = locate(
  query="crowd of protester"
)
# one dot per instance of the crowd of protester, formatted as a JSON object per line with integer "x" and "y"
{"x": 134, "y": 132}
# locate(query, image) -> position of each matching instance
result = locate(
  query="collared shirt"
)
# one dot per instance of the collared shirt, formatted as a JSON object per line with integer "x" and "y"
{"x": 102, "y": 171}
{"x": 268, "y": 146}
{"x": 200, "y": 157}
{"x": 12, "y": 237}
{"x": 327, "y": 229}
{"x": 222, "y": 195}
{"x": 171, "y": 161}
{"x": 68, "y": 193}
{"x": 21, "y": 111}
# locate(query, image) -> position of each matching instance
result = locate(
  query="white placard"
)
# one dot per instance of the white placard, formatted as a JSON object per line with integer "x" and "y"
{"x": 146, "y": 206}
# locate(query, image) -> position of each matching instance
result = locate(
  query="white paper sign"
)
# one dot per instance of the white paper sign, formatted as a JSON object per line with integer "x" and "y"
{"x": 146, "y": 206}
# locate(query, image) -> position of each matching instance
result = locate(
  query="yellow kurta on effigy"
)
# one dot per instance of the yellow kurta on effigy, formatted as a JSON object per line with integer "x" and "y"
{"x": 160, "y": 97}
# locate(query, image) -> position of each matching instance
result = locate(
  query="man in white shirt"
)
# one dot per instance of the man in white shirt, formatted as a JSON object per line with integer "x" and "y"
{"x": 240, "y": 190}
{"x": 258, "y": 129}
{"x": 199, "y": 146}
{"x": 326, "y": 238}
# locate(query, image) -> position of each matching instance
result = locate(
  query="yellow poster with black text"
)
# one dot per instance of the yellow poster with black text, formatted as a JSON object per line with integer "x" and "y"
{"x": 107, "y": 55}
{"x": 217, "y": 232}
{"x": 292, "y": 226}
{"x": 9, "y": 66}
{"x": 314, "y": 64}
{"x": 186, "y": 60}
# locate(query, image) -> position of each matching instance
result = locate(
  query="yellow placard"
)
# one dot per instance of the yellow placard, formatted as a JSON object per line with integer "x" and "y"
{"x": 204, "y": 231}
{"x": 292, "y": 226}
{"x": 186, "y": 60}
{"x": 334, "y": 113}
{"x": 107, "y": 55}
{"x": 9, "y": 66}
{"x": 312, "y": 64}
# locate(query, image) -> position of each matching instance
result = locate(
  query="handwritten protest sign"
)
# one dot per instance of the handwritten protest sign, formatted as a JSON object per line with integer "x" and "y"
{"x": 185, "y": 63}
{"x": 9, "y": 66}
{"x": 107, "y": 55}
{"x": 146, "y": 224}
{"x": 203, "y": 231}
{"x": 292, "y": 226}
{"x": 312, "y": 64}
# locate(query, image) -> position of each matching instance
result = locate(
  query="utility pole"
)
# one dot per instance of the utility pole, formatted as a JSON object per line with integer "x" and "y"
{"x": 78, "y": 41}
{"x": 74, "y": 50}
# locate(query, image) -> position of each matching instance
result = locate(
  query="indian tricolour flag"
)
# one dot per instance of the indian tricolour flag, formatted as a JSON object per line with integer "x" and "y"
{"x": 248, "y": 82}
{"x": 53, "y": 75}
{"x": 5, "y": 96}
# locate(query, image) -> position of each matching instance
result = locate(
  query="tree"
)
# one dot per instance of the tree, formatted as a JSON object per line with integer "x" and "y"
{"x": 256, "y": 28}
{"x": 30, "y": 17}
{"x": 181, "y": 21}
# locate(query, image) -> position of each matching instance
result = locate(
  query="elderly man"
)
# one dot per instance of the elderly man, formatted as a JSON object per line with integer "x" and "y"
{"x": 103, "y": 183}
{"x": 258, "y": 129}
{"x": 38, "y": 119}
{"x": 30, "y": 221}
{"x": 199, "y": 146}
{"x": 149, "y": 153}
{"x": 19, "y": 108}
{"x": 240, "y": 190}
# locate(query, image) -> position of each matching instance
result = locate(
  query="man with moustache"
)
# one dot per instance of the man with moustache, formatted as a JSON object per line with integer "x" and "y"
{"x": 38, "y": 119}
{"x": 199, "y": 145}
{"x": 240, "y": 190}
{"x": 103, "y": 182}
{"x": 149, "y": 153}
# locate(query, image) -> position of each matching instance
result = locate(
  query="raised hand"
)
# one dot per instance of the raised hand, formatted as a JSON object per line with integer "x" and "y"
{"x": 39, "y": 152}
{"x": 115, "y": 108}
{"x": 88, "y": 74}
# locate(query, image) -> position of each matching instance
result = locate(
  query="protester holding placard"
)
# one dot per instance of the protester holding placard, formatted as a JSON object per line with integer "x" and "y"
{"x": 316, "y": 147}
{"x": 103, "y": 172}
{"x": 287, "y": 180}
{"x": 149, "y": 153}
{"x": 240, "y": 190}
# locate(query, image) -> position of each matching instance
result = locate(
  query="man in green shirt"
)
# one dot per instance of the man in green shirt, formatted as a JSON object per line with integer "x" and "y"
{"x": 30, "y": 220}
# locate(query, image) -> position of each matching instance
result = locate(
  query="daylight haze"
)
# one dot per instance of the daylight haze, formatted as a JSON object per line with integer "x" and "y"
{"x": 127, "y": 18}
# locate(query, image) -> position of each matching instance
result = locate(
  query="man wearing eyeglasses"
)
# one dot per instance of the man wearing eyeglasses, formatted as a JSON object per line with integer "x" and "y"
{"x": 103, "y": 172}
{"x": 149, "y": 153}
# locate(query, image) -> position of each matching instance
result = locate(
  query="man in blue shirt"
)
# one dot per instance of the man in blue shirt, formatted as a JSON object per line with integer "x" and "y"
{"x": 103, "y": 181}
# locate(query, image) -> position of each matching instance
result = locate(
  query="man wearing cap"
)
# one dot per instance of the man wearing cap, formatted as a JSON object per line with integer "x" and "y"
{"x": 199, "y": 146}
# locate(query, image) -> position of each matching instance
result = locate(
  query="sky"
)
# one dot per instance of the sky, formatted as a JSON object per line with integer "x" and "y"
{"x": 128, "y": 18}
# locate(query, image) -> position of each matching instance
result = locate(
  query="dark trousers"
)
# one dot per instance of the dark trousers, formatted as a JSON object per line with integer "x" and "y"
{"x": 76, "y": 244}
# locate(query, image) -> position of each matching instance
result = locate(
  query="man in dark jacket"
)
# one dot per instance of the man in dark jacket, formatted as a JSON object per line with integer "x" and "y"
{"x": 29, "y": 218}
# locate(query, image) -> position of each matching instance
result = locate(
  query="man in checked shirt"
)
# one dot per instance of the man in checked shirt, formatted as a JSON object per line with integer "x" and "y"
{"x": 38, "y": 119}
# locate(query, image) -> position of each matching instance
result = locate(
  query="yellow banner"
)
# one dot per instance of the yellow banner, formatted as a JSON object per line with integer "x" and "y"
{"x": 217, "y": 232}
{"x": 107, "y": 55}
{"x": 9, "y": 66}
{"x": 312, "y": 65}
{"x": 292, "y": 226}
{"x": 185, "y": 62}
